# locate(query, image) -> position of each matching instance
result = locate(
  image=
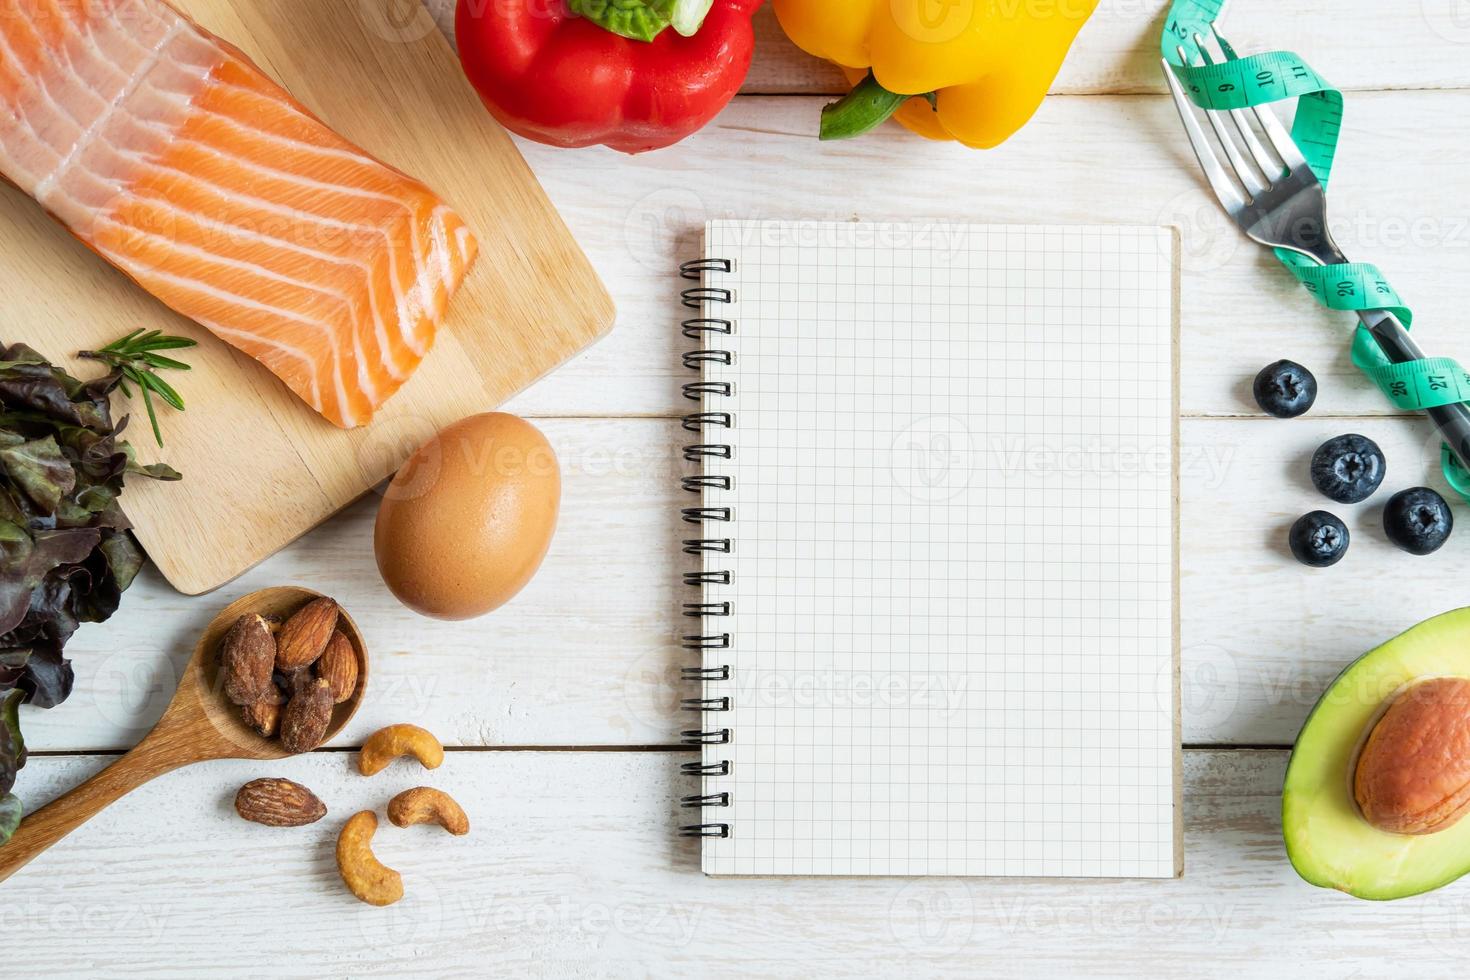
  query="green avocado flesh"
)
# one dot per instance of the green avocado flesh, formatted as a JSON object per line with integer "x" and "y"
{"x": 1327, "y": 839}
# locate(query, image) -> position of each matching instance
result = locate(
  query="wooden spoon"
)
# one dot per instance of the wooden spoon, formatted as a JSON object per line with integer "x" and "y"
{"x": 200, "y": 724}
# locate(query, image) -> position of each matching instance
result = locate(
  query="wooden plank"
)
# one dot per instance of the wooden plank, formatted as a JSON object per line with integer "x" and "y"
{"x": 583, "y": 656}
{"x": 263, "y": 466}
{"x": 587, "y": 654}
{"x": 1349, "y": 41}
{"x": 1099, "y": 160}
{"x": 572, "y": 859}
{"x": 1262, "y": 635}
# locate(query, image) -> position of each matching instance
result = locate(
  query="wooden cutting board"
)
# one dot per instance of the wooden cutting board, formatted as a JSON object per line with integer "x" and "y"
{"x": 260, "y": 467}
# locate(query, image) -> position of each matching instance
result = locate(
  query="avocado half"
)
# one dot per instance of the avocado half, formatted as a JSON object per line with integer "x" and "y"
{"x": 1327, "y": 839}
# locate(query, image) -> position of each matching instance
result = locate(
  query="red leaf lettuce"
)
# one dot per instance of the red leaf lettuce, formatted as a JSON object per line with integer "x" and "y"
{"x": 66, "y": 554}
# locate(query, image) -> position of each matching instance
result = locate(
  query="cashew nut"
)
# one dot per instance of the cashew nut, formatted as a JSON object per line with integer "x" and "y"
{"x": 365, "y": 876}
{"x": 389, "y": 743}
{"x": 423, "y": 804}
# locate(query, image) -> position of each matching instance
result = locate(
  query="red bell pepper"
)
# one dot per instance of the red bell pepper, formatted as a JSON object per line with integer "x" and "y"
{"x": 578, "y": 73}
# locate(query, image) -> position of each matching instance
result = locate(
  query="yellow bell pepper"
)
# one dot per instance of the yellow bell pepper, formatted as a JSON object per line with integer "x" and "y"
{"x": 982, "y": 67}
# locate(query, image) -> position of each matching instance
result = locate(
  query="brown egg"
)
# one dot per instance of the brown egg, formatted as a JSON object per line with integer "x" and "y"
{"x": 465, "y": 523}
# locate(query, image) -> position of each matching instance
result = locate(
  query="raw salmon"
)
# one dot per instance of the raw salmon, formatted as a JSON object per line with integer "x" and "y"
{"x": 169, "y": 153}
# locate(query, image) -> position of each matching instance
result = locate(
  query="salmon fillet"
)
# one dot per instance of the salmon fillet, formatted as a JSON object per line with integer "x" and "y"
{"x": 169, "y": 153}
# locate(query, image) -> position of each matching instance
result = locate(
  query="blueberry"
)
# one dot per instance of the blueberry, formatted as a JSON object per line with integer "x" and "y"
{"x": 1348, "y": 469}
{"x": 1417, "y": 520}
{"x": 1285, "y": 389}
{"x": 1318, "y": 539}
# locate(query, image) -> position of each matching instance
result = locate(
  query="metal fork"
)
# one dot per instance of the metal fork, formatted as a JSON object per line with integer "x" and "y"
{"x": 1278, "y": 201}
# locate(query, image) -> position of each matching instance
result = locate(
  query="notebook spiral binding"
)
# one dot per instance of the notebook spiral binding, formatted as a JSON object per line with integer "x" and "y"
{"x": 705, "y": 331}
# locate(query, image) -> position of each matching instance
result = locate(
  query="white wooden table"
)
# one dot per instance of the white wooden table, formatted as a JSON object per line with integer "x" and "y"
{"x": 559, "y": 709}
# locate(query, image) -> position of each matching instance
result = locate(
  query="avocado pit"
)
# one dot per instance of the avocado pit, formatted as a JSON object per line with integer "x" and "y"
{"x": 1413, "y": 774}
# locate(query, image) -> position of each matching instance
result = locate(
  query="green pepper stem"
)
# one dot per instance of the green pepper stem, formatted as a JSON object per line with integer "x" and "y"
{"x": 643, "y": 20}
{"x": 866, "y": 107}
{"x": 688, "y": 15}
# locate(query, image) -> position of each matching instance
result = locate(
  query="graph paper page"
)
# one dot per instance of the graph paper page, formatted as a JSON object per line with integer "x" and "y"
{"x": 952, "y": 551}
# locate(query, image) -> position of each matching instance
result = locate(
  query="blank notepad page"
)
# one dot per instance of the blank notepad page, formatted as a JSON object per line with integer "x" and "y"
{"x": 952, "y": 551}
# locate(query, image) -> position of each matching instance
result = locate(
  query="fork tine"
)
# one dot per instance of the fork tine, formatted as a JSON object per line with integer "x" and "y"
{"x": 1244, "y": 170}
{"x": 1281, "y": 141}
{"x": 1213, "y": 52}
{"x": 1285, "y": 146}
{"x": 1225, "y": 188}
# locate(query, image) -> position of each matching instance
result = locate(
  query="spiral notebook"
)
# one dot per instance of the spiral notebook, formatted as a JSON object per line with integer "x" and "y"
{"x": 936, "y": 544}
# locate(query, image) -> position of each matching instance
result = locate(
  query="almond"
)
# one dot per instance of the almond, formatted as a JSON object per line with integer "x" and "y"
{"x": 247, "y": 658}
{"x": 263, "y": 717}
{"x": 338, "y": 667}
{"x": 308, "y": 714}
{"x": 305, "y": 635}
{"x": 278, "y": 803}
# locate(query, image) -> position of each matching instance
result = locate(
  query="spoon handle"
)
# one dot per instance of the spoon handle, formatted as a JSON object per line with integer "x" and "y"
{"x": 151, "y": 757}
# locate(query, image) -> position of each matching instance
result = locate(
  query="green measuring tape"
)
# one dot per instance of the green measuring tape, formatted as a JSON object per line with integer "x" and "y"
{"x": 1239, "y": 83}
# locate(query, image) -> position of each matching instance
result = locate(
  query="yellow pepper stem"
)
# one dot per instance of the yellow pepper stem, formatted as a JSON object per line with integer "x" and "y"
{"x": 866, "y": 107}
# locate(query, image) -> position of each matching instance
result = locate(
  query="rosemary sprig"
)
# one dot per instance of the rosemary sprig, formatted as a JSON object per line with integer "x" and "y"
{"x": 137, "y": 357}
